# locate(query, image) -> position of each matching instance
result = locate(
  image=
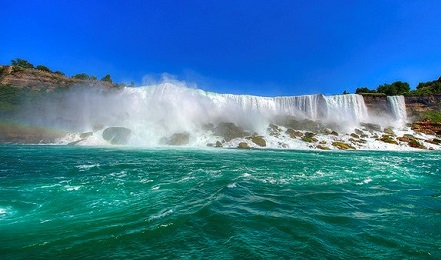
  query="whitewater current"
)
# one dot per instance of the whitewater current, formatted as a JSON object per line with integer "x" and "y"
{"x": 114, "y": 202}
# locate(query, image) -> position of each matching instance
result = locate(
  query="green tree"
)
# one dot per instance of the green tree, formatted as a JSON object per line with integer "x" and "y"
{"x": 107, "y": 78}
{"x": 82, "y": 76}
{"x": 43, "y": 68}
{"x": 59, "y": 73}
{"x": 428, "y": 88}
{"x": 22, "y": 63}
{"x": 364, "y": 90}
{"x": 394, "y": 89}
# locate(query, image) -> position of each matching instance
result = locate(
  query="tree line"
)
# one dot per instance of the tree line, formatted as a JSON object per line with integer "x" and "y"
{"x": 403, "y": 88}
{"x": 20, "y": 64}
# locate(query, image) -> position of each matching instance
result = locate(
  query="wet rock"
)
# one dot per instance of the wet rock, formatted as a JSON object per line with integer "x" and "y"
{"x": 208, "y": 127}
{"x": 334, "y": 133}
{"x": 179, "y": 139}
{"x": 389, "y": 131}
{"x": 85, "y": 135}
{"x": 243, "y": 145}
{"x": 357, "y": 141}
{"x": 354, "y": 135}
{"x": 415, "y": 144}
{"x": 299, "y": 124}
{"x": 322, "y": 147}
{"x": 322, "y": 142}
{"x": 436, "y": 141}
{"x": 358, "y": 132}
{"x": 229, "y": 131}
{"x": 309, "y": 139}
{"x": 372, "y": 127}
{"x": 326, "y": 131}
{"x": 117, "y": 135}
{"x": 309, "y": 134}
{"x": 293, "y": 133}
{"x": 343, "y": 146}
{"x": 75, "y": 142}
{"x": 218, "y": 144}
{"x": 388, "y": 139}
{"x": 403, "y": 139}
{"x": 274, "y": 130}
{"x": 258, "y": 140}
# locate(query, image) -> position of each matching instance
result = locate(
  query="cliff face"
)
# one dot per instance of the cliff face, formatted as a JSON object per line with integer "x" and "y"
{"x": 415, "y": 105}
{"x": 376, "y": 104}
{"x": 37, "y": 79}
{"x": 419, "y": 104}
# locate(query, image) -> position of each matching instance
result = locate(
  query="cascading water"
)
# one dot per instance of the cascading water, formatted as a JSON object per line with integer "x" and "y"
{"x": 397, "y": 107}
{"x": 158, "y": 111}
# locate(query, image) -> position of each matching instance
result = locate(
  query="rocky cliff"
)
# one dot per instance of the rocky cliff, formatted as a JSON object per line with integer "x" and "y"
{"x": 38, "y": 79}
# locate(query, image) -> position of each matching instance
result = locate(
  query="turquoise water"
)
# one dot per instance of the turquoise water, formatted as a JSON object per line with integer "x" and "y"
{"x": 82, "y": 202}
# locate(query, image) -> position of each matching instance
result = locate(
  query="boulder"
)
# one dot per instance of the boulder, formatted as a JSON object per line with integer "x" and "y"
{"x": 117, "y": 135}
{"x": 358, "y": 132}
{"x": 176, "y": 139}
{"x": 208, "y": 127}
{"x": 85, "y": 135}
{"x": 273, "y": 130}
{"x": 415, "y": 144}
{"x": 388, "y": 139}
{"x": 372, "y": 127}
{"x": 218, "y": 144}
{"x": 293, "y": 133}
{"x": 389, "y": 131}
{"x": 243, "y": 145}
{"x": 354, "y": 135}
{"x": 322, "y": 147}
{"x": 229, "y": 131}
{"x": 258, "y": 140}
{"x": 342, "y": 146}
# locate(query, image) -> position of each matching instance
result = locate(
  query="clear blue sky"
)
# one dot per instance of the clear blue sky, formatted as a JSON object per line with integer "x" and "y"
{"x": 249, "y": 47}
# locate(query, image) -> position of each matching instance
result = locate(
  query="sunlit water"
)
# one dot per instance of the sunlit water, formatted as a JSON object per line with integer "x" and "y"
{"x": 83, "y": 202}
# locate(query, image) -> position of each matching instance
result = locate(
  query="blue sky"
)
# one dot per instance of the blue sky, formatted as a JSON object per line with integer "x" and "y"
{"x": 242, "y": 47}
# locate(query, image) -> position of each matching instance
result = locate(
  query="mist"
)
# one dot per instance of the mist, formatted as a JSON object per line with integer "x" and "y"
{"x": 164, "y": 108}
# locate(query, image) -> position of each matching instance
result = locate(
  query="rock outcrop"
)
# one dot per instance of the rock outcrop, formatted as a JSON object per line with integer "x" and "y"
{"x": 229, "y": 131}
{"x": 117, "y": 135}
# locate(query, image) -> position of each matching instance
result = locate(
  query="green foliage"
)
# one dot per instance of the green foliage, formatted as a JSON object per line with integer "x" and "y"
{"x": 345, "y": 92}
{"x": 84, "y": 76}
{"x": 433, "y": 116}
{"x": 428, "y": 88}
{"x": 17, "y": 69}
{"x": 22, "y": 63}
{"x": 394, "y": 89}
{"x": 59, "y": 73}
{"x": 363, "y": 90}
{"x": 132, "y": 84}
{"x": 107, "y": 78}
{"x": 43, "y": 68}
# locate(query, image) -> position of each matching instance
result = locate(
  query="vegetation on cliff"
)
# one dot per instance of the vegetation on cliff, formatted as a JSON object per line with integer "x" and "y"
{"x": 402, "y": 88}
{"x": 23, "y": 74}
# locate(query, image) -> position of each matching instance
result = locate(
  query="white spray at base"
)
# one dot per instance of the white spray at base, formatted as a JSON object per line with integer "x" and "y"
{"x": 159, "y": 111}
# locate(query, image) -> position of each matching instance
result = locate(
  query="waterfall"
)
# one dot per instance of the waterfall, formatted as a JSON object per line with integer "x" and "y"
{"x": 196, "y": 105}
{"x": 397, "y": 108}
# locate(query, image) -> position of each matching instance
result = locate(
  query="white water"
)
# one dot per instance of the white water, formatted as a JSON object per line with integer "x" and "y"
{"x": 158, "y": 111}
{"x": 398, "y": 109}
